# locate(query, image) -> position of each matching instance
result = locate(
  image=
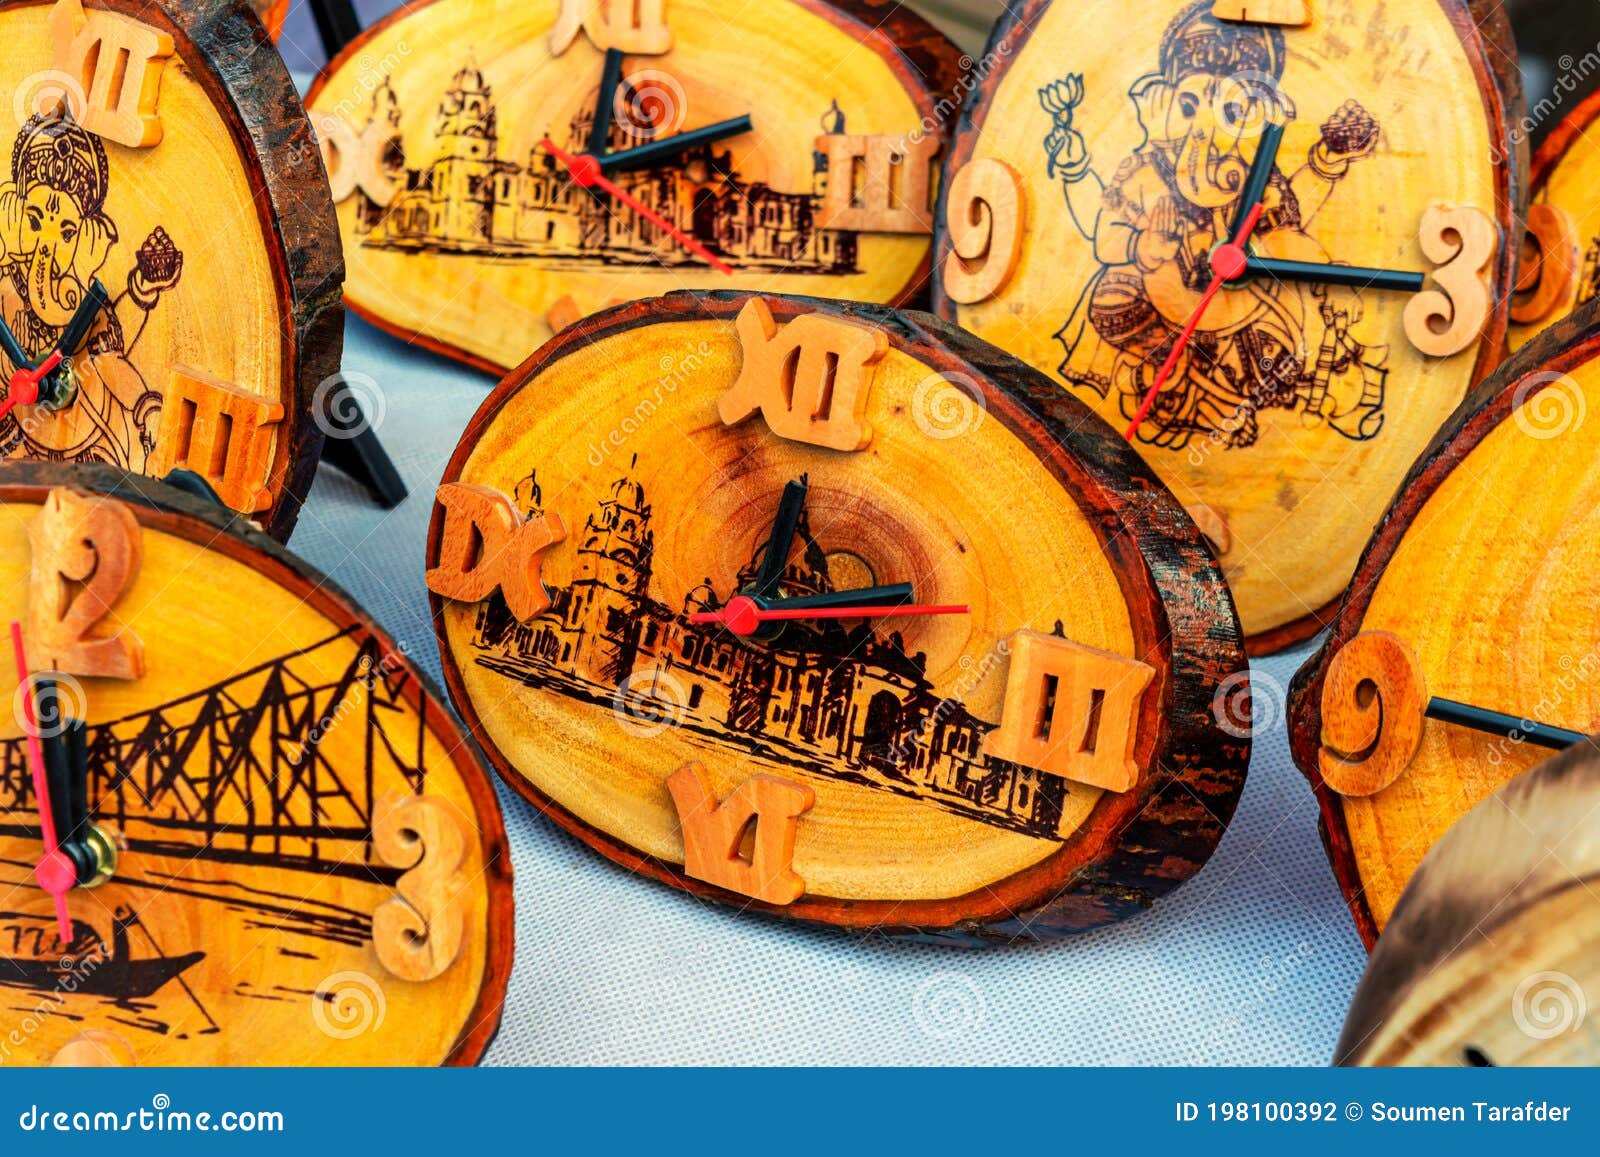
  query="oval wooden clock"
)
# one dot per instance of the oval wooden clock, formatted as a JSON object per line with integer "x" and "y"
{"x": 1561, "y": 251}
{"x": 237, "y": 826}
{"x": 1466, "y": 649}
{"x": 835, "y": 612}
{"x": 1273, "y": 173}
{"x": 505, "y": 166}
{"x": 169, "y": 257}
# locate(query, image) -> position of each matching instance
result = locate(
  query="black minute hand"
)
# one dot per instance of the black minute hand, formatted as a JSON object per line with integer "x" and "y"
{"x": 643, "y": 156}
{"x": 83, "y": 317}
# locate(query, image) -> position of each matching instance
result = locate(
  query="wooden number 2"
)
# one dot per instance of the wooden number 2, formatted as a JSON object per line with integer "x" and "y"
{"x": 417, "y": 932}
{"x": 1461, "y": 242}
{"x": 86, "y": 554}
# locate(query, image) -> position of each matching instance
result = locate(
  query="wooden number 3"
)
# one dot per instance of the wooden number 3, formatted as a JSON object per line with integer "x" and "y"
{"x": 417, "y": 932}
{"x": 86, "y": 554}
{"x": 1461, "y": 242}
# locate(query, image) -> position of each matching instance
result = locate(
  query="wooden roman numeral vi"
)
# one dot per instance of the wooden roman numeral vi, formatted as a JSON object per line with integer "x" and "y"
{"x": 487, "y": 546}
{"x": 810, "y": 381}
{"x": 1071, "y": 710}
{"x": 115, "y": 65}
{"x": 713, "y": 833}
{"x": 878, "y": 184}
{"x": 638, "y": 27}
{"x": 222, "y": 434}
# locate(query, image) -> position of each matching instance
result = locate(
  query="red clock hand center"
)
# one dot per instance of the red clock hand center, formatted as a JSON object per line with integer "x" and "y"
{"x": 585, "y": 171}
{"x": 23, "y": 388}
{"x": 56, "y": 873}
{"x": 1228, "y": 261}
{"x": 744, "y": 616}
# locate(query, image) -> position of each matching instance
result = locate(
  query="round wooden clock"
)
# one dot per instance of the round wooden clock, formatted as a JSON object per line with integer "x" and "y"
{"x": 835, "y": 612}
{"x": 169, "y": 257}
{"x": 1561, "y": 250}
{"x": 505, "y": 166}
{"x": 1240, "y": 232}
{"x": 237, "y": 826}
{"x": 1465, "y": 651}
{"x": 1493, "y": 955}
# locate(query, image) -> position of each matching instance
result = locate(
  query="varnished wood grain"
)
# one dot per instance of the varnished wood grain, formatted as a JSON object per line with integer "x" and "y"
{"x": 261, "y": 919}
{"x": 1492, "y": 956}
{"x": 1030, "y": 499}
{"x": 1481, "y": 566}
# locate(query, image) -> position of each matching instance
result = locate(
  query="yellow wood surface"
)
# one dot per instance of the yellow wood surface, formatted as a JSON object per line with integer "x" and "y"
{"x": 1493, "y": 593}
{"x": 1570, "y": 185}
{"x": 968, "y": 516}
{"x": 494, "y": 307}
{"x": 1300, "y": 503}
{"x": 222, "y": 316}
{"x": 205, "y": 618}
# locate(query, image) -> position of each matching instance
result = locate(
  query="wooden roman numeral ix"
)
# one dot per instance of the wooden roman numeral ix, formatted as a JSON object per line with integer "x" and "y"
{"x": 1071, "y": 710}
{"x": 112, "y": 66}
{"x": 637, "y": 27}
{"x": 878, "y": 184}
{"x": 810, "y": 379}
{"x": 487, "y": 546}
{"x": 222, "y": 434}
{"x": 713, "y": 833}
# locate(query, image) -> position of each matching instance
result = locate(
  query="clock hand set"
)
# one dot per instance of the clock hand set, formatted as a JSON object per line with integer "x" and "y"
{"x": 24, "y": 386}
{"x": 585, "y": 171}
{"x": 642, "y": 156}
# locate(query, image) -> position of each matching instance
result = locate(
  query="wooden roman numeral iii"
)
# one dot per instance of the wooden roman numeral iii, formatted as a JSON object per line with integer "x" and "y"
{"x": 878, "y": 184}
{"x": 713, "y": 833}
{"x": 1071, "y": 711}
{"x": 222, "y": 434}
{"x": 114, "y": 65}
{"x": 810, "y": 380}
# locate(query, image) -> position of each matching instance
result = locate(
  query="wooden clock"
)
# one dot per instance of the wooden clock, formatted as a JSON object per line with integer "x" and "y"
{"x": 834, "y": 612}
{"x": 1561, "y": 251}
{"x": 169, "y": 260}
{"x": 1465, "y": 651}
{"x": 1277, "y": 175}
{"x": 1493, "y": 955}
{"x": 237, "y": 826}
{"x": 503, "y": 167}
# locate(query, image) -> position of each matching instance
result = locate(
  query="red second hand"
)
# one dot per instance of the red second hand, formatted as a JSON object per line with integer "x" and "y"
{"x": 743, "y": 614}
{"x": 1227, "y": 262}
{"x": 55, "y": 872}
{"x": 23, "y": 389}
{"x": 585, "y": 171}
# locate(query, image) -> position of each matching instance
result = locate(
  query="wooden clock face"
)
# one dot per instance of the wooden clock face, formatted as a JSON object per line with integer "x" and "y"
{"x": 167, "y": 229}
{"x": 1037, "y": 754}
{"x": 1561, "y": 252}
{"x": 1479, "y": 573}
{"x": 462, "y": 227}
{"x": 310, "y": 865}
{"x": 1091, "y": 177}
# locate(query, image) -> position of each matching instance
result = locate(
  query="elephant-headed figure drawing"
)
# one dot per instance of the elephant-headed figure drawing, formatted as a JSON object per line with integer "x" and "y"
{"x": 1217, "y": 87}
{"x": 55, "y": 239}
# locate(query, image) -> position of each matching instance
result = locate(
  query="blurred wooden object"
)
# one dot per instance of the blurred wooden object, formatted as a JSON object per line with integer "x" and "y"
{"x": 1492, "y": 956}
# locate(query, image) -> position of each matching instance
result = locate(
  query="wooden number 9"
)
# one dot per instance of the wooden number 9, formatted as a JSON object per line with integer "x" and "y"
{"x": 417, "y": 933}
{"x": 985, "y": 220}
{"x": 86, "y": 554}
{"x": 1372, "y": 711}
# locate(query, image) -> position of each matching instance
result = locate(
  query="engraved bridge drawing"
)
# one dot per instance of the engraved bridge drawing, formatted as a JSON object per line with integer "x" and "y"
{"x": 847, "y": 704}
{"x": 235, "y": 772}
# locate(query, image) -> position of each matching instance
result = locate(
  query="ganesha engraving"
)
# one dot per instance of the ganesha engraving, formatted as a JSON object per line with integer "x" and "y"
{"x": 56, "y": 240}
{"x": 1266, "y": 345}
